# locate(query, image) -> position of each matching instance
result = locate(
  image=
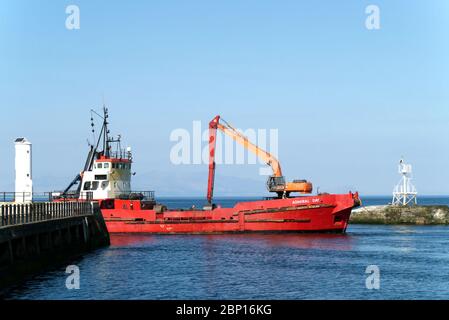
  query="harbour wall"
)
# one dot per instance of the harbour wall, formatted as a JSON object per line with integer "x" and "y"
{"x": 40, "y": 235}
{"x": 397, "y": 215}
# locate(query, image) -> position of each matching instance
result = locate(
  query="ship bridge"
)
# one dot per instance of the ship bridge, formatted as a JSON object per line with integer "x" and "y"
{"x": 109, "y": 178}
{"x": 107, "y": 172}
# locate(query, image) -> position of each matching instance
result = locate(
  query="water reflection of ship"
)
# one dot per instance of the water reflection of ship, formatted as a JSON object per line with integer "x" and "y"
{"x": 333, "y": 242}
{"x": 130, "y": 240}
{"x": 338, "y": 242}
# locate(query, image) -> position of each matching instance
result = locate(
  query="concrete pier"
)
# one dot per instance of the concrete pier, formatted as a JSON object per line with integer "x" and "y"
{"x": 37, "y": 235}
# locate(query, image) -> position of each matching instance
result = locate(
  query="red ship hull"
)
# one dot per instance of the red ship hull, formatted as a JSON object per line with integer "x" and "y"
{"x": 322, "y": 213}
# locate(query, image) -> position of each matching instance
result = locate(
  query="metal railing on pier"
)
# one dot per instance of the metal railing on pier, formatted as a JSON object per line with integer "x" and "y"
{"x": 15, "y": 214}
{"x": 25, "y": 196}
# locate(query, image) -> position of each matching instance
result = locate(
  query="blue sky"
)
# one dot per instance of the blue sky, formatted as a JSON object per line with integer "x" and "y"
{"x": 348, "y": 102}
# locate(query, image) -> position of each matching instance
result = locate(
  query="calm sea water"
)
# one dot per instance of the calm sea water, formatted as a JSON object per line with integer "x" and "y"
{"x": 413, "y": 263}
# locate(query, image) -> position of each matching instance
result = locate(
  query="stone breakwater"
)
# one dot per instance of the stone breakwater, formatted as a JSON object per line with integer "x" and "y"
{"x": 414, "y": 215}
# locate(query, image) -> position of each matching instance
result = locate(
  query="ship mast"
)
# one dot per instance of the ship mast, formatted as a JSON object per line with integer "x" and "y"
{"x": 104, "y": 134}
{"x": 94, "y": 153}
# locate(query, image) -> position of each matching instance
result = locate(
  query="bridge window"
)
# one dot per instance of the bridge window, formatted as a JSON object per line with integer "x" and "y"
{"x": 106, "y": 165}
{"x": 101, "y": 177}
{"x": 100, "y": 166}
{"x": 87, "y": 185}
{"x": 91, "y": 186}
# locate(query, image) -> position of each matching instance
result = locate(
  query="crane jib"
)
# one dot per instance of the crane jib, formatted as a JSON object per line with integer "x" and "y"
{"x": 276, "y": 183}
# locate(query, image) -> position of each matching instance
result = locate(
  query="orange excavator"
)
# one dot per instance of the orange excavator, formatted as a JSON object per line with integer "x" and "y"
{"x": 276, "y": 183}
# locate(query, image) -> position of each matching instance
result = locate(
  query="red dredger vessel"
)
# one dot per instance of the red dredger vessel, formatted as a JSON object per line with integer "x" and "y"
{"x": 106, "y": 178}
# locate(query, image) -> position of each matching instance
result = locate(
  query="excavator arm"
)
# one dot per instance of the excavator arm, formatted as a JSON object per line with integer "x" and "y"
{"x": 262, "y": 154}
{"x": 276, "y": 182}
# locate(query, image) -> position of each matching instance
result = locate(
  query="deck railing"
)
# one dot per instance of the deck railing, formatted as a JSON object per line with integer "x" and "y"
{"x": 121, "y": 154}
{"x": 124, "y": 195}
{"x": 135, "y": 195}
{"x": 14, "y": 213}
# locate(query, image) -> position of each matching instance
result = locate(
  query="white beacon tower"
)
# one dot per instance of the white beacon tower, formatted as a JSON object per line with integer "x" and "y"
{"x": 24, "y": 173}
{"x": 405, "y": 192}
